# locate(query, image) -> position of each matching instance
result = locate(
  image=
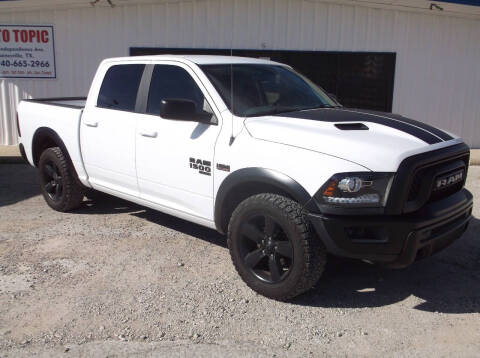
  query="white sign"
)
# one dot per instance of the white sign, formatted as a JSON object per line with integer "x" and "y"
{"x": 27, "y": 51}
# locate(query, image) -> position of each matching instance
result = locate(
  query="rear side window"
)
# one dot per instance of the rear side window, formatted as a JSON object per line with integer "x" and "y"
{"x": 173, "y": 82}
{"x": 120, "y": 86}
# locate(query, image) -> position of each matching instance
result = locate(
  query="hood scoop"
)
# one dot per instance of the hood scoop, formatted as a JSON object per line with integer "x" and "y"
{"x": 351, "y": 126}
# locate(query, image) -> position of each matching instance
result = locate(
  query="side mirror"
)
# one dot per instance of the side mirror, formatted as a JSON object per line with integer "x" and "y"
{"x": 182, "y": 110}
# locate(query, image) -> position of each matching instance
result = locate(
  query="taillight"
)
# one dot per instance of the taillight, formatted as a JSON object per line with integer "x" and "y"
{"x": 18, "y": 127}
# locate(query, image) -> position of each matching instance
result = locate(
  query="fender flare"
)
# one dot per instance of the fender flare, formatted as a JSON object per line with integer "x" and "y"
{"x": 261, "y": 176}
{"x": 45, "y": 132}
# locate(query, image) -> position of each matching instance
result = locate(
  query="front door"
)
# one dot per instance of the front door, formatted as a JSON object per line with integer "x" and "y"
{"x": 175, "y": 157}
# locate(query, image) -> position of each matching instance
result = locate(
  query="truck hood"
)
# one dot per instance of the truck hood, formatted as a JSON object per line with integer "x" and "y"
{"x": 378, "y": 141}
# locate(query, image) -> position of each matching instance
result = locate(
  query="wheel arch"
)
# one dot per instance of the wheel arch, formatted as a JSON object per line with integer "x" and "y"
{"x": 246, "y": 182}
{"x": 45, "y": 138}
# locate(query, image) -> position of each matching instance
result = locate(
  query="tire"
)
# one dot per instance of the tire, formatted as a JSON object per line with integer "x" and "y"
{"x": 273, "y": 248}
{"x": 59, "y": 186}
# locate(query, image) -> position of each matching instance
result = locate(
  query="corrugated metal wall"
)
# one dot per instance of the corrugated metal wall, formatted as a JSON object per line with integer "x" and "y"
{"x": 438, "y": 57}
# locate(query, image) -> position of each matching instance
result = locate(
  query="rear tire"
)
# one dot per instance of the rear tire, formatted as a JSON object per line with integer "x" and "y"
{"x": 273, "y": 248}
{"x": 59, "y": 186}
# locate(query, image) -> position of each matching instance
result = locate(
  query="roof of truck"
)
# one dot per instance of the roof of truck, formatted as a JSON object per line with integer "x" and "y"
{"x": 197, "y": 59}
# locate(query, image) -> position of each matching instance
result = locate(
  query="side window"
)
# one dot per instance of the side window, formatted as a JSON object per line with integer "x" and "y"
{"x": 173, "y": 82}
{"x": 120, "y": 86}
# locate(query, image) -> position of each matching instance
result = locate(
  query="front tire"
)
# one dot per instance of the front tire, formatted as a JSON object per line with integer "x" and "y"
{"x": 273, "y": 248}
{"x": 59, "y": 186}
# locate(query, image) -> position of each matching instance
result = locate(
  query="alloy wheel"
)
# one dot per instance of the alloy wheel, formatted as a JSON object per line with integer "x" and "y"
{"x": 266, "y": 249}
{"x": 53, "y": 182}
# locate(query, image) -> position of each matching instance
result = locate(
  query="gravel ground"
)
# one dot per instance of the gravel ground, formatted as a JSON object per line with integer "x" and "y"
{"x": 116, "y": 279}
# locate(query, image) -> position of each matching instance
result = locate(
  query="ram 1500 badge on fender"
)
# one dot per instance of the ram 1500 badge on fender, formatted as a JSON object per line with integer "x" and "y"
{"x": 270, "y": 160}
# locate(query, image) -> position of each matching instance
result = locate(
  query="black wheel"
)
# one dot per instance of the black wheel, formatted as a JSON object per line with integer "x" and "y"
{"x": 59, "y": 186}
{"x": 273, "y": 248}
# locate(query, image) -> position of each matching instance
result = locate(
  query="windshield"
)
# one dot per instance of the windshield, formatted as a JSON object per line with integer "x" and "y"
{"x": 265, "y": 89}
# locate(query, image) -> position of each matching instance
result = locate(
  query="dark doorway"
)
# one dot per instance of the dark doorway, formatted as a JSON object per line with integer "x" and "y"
{"x": 358, "y": 79}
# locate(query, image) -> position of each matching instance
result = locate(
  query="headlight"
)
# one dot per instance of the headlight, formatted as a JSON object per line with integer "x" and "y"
{"x": 356, "y": 189}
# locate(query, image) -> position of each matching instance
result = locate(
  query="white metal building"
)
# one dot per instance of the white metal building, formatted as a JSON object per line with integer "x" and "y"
{"x": 430, "y": 51}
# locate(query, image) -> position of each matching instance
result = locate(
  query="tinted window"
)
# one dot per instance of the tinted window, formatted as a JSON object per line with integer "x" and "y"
{"x": 120, "y": 86}
{"x": 265, "y": 89}
{"x": 173, "y": 82}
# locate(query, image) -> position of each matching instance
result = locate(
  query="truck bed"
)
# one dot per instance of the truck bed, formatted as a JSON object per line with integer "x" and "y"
{"x": 61, "y": 116}
{"x": 70, "y": 102}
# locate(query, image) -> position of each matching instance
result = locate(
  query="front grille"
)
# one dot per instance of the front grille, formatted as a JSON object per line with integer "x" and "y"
{"x": 415, "y": 177}
{"x": 422, "y": 182}
{"x": 449, "y": 190}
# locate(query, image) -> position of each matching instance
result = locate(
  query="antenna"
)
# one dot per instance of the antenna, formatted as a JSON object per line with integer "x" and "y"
{"x": 232, "y": 138}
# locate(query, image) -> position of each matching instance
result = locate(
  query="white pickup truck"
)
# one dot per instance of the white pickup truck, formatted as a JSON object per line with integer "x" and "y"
{"x": 255, "y": 150}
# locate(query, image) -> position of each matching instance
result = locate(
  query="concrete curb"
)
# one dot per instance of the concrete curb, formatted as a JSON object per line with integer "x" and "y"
{"x": 475, "y": 157}
{"x": 9, "y": 154}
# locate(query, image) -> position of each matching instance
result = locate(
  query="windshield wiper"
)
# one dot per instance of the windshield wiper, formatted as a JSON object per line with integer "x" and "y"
{"x": 286, "y": 109}
{"x": 273, "y": 110}
{"x": 320, "y": 106}
{"x": 278, "y": 110}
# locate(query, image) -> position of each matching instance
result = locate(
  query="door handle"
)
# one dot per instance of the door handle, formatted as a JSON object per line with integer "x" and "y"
{"x": 91, "y": 124}
{"x": 149, "y": 134}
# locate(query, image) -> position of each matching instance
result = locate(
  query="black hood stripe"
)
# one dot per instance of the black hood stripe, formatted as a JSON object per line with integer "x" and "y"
{"x": 411, "y": 127}
{"x": 417, "y": 129}
{"x": 433, "y": 130}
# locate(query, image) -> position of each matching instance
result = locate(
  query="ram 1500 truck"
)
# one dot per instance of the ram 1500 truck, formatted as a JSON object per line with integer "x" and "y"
{"x": 255, "y": 150}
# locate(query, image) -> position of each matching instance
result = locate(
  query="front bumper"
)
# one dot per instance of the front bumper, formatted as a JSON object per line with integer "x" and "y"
{"x": 396, "y": 240}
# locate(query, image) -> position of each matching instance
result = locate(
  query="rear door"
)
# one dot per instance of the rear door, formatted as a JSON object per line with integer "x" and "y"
{"x": 108, "y": 130}
{"x": 175, "y": 157}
